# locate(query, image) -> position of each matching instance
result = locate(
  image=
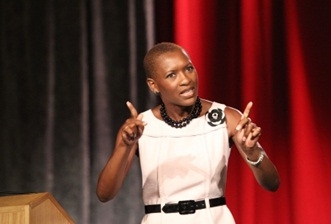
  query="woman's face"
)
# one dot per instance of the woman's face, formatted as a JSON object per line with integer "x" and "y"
{"x": 175, "y": 79}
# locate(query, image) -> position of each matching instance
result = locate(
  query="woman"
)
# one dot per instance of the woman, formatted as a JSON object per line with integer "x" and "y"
{"x": 183, "y": 146}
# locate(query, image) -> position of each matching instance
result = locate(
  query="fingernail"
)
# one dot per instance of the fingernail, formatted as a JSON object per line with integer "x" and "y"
{"x": 244, "y": 138}
{"x": 238, "y": 128}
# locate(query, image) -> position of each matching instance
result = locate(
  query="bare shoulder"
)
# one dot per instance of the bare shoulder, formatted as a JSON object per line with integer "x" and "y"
{"x": 230, "y": 111}
{"x": 233, "y": 117}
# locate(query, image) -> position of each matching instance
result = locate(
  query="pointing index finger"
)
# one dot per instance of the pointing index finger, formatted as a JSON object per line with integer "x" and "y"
{"x": 244, "y": 115}
{"x": 247, "y": 109}
{"x": 132, "y": 109}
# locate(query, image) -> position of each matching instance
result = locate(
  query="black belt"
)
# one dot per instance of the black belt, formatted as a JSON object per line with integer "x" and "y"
{"x": 184, "y": 207}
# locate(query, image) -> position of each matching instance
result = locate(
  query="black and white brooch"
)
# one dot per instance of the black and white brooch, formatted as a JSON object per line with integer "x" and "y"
{"x": 215, "y": 117}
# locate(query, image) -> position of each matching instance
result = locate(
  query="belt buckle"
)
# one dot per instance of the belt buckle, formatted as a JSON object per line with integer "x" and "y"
{"x": 186, "y": 207}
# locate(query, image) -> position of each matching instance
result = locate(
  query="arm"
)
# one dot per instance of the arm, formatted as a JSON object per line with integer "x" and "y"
{"x": 245, "y": 135}
{"x": 113, "y": 174}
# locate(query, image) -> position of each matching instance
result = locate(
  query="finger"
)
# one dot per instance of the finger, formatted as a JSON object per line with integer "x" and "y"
{"x": 129, "y": 134}
{"x": 251, "y": 141}
{"x": 141, "y": 126}
{"x": 243, "y": 122}
{"x": 248, "y": 128}
{"x": 253, "y": 136}
{"x": 134, "y": 128}
{"x": 126, "y": 138}
{"x": 247, "y": 109}
{"x": 137, "y": 129}
{"x": 129, "y": 131}
{"x": 245, "y": 115}
{"x": 132, "y": 109}
{"x": 140, "y": 117}
{"x": 256, "y": 132}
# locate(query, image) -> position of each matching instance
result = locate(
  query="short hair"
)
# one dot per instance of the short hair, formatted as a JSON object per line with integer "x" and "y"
{"x": 156, "y": 51}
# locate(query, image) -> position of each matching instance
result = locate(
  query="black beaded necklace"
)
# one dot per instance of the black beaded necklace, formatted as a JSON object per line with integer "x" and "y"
{"x": 182, "y": 123}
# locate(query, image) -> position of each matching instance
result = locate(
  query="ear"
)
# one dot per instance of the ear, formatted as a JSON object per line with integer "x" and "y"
{"x": 152, "y": 85}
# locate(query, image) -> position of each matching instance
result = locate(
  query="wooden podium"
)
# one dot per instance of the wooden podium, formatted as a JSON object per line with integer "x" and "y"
{"x": 34, "y": 208}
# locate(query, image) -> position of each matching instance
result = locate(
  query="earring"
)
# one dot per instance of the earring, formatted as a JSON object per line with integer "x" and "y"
{"x": 157, "y": 93}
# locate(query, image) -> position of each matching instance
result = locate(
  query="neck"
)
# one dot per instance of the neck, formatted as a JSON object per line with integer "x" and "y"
{"x": 180, "y": 113}
{"x": 194, "y": 113}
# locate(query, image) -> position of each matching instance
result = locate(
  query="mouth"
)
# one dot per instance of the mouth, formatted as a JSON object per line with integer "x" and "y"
{"x": 187, "y": 92}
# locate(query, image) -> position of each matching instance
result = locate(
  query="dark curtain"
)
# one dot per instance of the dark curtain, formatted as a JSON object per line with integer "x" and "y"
{"x": 67, "y": 68}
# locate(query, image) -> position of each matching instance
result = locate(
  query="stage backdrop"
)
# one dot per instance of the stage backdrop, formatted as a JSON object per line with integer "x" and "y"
{"x": 68, "y": 67}
{"x": 276, "y": 54}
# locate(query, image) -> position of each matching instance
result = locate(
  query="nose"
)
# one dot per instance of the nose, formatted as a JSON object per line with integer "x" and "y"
{"x": 185, "y": 79}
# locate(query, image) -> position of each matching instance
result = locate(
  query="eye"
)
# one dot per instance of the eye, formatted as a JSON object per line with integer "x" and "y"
{"x": 190, "y": 68}
{"x": 171, "y": 75}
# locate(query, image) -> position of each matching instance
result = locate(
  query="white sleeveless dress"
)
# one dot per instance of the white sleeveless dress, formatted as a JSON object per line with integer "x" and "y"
{"x": 187, "y": 163}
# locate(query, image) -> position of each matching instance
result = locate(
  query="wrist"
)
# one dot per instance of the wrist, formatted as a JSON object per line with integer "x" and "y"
{"x": 255, "y": 160}
{"x": 253, "y": 154}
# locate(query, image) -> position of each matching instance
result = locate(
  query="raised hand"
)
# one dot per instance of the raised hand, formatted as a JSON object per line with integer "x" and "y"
{"x": 248, "y": 132}
{"x": 133, "y": 127}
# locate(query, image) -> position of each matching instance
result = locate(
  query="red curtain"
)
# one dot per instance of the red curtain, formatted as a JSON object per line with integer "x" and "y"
{"x": 276, "y": 54}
